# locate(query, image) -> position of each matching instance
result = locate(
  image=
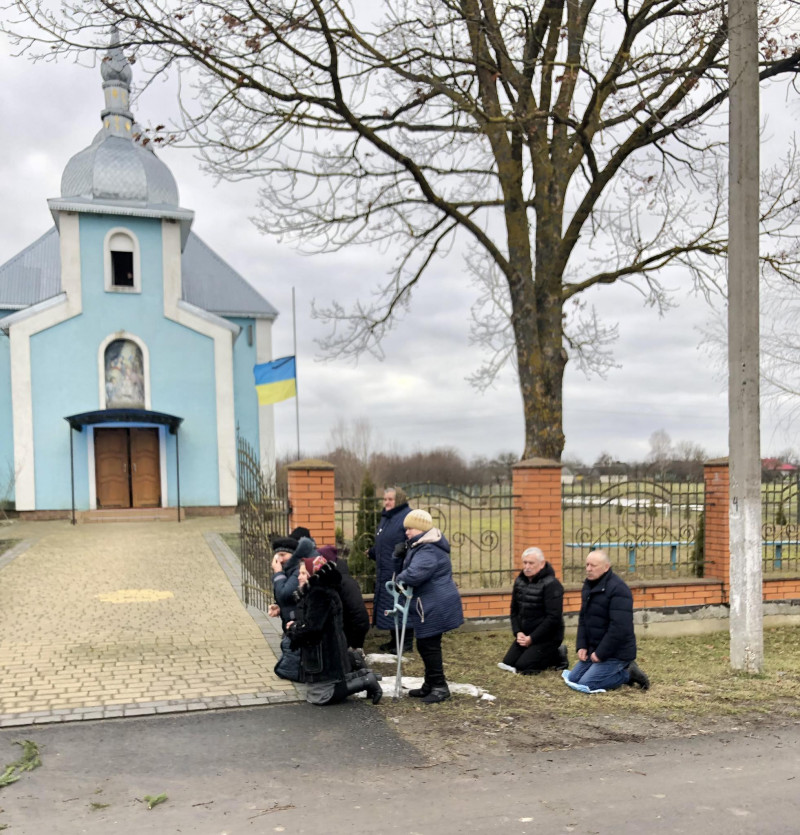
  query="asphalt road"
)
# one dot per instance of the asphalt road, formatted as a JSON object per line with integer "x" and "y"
{"x": 301, "y": 769}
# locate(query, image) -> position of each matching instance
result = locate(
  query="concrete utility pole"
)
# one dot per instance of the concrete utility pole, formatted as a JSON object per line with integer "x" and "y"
{"x": 746, "y": 624}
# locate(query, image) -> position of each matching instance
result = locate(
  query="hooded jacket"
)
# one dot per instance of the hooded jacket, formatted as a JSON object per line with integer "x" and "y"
{"x": 285, "y": 581}
{"x": 436, "y": 604}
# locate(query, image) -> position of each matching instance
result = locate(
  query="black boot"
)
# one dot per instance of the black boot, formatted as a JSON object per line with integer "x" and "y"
{"x": 374, "y": 690}
{"x": 637, "y": 676}
{"x": 437, "y": 694}
{"x": 419, "y": 692}
{"x": 390, "y": 645}
{"x": 563, "y": 658}
{"x": 365, "y": 681}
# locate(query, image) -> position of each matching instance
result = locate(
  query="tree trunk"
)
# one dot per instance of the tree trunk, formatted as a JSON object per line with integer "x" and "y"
{"x": 541, "y": 359}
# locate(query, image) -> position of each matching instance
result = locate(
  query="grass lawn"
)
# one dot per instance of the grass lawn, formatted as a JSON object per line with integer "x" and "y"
{"x": 693, "y": 692}
{"x": 234, "y": 542}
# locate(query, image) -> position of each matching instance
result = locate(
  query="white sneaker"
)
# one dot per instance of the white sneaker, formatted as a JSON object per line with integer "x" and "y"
{"x": 507, "y": 667}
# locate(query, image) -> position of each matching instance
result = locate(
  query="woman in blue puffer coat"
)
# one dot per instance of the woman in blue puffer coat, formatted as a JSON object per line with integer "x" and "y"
{"x": 436, "y": 604}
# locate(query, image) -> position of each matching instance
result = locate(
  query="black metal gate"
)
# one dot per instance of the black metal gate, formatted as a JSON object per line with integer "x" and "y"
{"x": 780, "y": 526}
{"x": 648, "y": 528}
{"x": 477, "y": 523}
{"x": 263, "y": 513}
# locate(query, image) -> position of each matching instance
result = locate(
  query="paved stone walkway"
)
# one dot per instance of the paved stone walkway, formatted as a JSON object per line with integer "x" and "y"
{"x": 127, "y": 619}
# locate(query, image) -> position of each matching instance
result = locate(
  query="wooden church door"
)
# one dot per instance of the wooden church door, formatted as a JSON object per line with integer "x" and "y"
{"x": 145, "y": 468}
{"x": 111, "y": 467}
{"x": 127, "y": 468}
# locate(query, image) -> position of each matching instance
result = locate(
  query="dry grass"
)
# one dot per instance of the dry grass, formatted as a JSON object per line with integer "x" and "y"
{"x": 693, "y": 691}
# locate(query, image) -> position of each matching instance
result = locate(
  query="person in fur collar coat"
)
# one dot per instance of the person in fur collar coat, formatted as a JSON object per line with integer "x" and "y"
{"x": 318, "y": 633}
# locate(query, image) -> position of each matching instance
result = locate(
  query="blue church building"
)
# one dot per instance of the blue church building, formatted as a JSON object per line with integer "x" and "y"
{"x": 126, "y": 344}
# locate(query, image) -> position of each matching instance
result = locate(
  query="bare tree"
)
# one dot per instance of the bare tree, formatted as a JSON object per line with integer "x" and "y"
{"x": 660, "y": 451}
{"x": 690, "y": 451}
{"x": 572, "y": 143}
{"x": 354, "y": 435}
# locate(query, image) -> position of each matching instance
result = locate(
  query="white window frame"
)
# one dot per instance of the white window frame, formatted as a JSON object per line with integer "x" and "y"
{"x": 108, "y": 270}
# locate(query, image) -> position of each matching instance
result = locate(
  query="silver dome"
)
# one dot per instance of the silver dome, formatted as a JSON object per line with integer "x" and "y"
{"x": 115, "y": 167}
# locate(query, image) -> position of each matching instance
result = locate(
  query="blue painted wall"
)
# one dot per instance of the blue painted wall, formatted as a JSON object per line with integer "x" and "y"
{"x": 65, "y": 374}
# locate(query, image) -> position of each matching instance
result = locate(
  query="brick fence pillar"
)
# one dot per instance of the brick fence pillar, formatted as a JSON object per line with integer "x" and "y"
{"x": 536, "y": 486}
{"x": 716, "y": 550}
{"x": 311, "y": 499}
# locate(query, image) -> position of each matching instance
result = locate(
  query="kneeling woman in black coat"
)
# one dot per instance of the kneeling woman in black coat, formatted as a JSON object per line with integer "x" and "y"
{"x": 318, "y": 633}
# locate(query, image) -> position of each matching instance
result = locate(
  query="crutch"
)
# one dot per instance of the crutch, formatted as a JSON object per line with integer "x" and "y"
{"x": 399, "y": 612}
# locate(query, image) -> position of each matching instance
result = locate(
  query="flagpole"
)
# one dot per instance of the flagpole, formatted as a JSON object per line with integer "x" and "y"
{"x": 296, "y": 383}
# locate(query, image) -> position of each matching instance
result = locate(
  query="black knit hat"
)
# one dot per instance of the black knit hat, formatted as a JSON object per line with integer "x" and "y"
{"x": 284, "y": 543}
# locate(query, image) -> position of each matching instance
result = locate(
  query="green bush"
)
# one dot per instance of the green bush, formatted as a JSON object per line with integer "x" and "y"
{"x": 367, "y": 519}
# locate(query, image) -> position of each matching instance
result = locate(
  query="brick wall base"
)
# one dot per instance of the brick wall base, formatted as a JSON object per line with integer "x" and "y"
{"x": 672, "y": 596}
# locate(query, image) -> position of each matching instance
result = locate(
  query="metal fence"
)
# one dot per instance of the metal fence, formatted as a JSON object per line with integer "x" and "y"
{"x": 648, "y": 528}
{"x": 477, "y": 524}
{"x": 652, "y": 530}
{"x": 780, "y": 528}
{"x": 263, "y": 513}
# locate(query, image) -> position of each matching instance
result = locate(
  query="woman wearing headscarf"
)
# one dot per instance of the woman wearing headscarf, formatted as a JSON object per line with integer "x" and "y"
{"x": 436, "y": 603}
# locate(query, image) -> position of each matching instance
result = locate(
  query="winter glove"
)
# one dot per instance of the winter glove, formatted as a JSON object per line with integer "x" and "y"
{"x": 400, "y": 549}
{"x": 328, "y": 575}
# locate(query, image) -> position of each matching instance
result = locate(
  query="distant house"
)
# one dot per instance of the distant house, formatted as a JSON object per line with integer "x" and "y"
{"x": 126, "y": 343}
{"x": 776, "y": 468}
{"x": 612, "y": 473}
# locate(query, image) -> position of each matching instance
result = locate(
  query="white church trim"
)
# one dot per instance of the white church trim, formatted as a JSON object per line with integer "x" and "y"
{"x": 266, "y": 414}
{"x": 223, "y": 338}
{"x": 27, "y": 323}
{"x": 122, "y": 239}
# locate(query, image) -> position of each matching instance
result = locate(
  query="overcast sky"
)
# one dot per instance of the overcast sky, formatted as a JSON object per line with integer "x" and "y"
{"x": 418, "y": 396}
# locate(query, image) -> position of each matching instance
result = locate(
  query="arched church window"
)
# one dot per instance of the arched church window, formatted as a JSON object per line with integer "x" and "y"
{"x": 124, "y": 375}
{"x": 122, "y": 262}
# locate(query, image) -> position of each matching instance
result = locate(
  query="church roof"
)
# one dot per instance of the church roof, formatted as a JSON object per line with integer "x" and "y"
{"x": 212, "y": 284}
{"x": 118, "y": 166}
{"x": 34, "y": 275}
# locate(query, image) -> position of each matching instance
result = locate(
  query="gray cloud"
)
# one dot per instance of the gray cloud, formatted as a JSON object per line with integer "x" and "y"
{"x": 418, "y": 396}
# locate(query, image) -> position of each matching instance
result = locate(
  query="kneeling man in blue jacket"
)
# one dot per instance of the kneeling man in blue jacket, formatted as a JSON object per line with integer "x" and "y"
{"x": 606, "y": 643}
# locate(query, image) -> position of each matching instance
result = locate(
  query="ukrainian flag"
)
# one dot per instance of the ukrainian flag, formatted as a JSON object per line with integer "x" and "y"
{"x": 276, "y": 380}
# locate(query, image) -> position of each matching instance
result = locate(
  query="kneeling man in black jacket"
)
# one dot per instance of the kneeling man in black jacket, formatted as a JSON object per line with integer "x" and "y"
{"x": 537, "y": 619}
{"x": 606, "y": 643}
